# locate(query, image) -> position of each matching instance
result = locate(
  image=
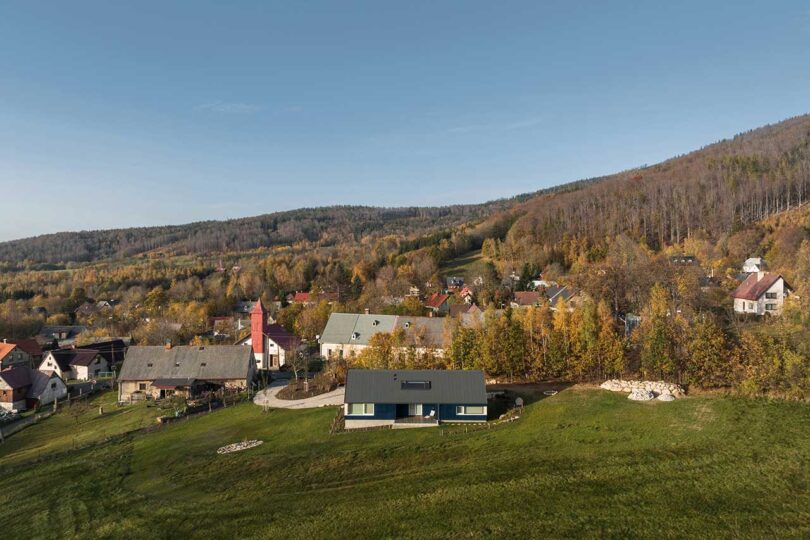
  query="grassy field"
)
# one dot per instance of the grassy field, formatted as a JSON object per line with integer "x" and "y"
{"x": 462, "y": 265}
{"x": 584, "y": 463}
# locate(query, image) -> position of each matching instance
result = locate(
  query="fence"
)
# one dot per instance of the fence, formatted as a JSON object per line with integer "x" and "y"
{"x": 19, "y": 425}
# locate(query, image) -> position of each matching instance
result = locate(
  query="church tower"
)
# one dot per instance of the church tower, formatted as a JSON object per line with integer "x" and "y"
{"x": 258, "y": 329}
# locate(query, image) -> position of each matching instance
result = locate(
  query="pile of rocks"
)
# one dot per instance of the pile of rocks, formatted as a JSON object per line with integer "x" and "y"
{"x": 237, "y": 447}
{"x": 645, "y": 390}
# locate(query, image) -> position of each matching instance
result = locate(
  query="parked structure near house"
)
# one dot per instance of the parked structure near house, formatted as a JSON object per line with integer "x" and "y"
{"x": 438, "y": 303}
{"x": 412, "y": 398}
{"x": 347, "y": 334}
{"x": 23, "y": 388}
{"x": 79, "y": 364}
{"x": 271, "y": 344}
{"x": 157, "y": 372}
{"x": 526, "y": 298}
{"x": 761, "y": 293}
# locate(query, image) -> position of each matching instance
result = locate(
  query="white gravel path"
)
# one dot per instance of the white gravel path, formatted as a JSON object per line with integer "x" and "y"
{"x": 267, "y": 398}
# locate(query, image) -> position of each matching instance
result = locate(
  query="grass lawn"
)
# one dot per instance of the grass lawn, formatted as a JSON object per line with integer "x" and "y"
{"x": 461, "y": 266}
{"x": 76, "y": 426}
{"x": 582, "y": 463}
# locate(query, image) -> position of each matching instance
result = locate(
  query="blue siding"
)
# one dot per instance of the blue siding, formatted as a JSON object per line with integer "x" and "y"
{"x": 382, "y": 411}
{"x": 447, "y": 413}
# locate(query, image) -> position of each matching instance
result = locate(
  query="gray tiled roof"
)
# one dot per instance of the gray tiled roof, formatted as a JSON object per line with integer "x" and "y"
{"x": 215, "y": 362}
{"x": 463, "y": 387}
{"x": 419, "y": 331}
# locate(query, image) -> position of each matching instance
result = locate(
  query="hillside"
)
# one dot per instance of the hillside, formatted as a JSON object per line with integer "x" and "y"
{"x": 714, "y": 191}
{"x": 584, "y": 463}
{"x": 717, "y": 189}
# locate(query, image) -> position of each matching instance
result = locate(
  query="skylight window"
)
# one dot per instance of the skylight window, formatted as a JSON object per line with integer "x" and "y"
{"x": 416, "y": 385}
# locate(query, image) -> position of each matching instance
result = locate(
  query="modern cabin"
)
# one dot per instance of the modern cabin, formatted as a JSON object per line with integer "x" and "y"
{"x": 413, "y": 398}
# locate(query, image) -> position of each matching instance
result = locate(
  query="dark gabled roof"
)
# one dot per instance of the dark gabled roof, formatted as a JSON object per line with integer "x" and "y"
{"x": 28, "y": 345}
{"x": 214, "y": 362}
{"x": 282, "y": 338}
{"x": 463, "y": 387}
{"x": 84, "y": 357}
{"x": 753, "y": 287}
{"x": 17, "y": 377}
{"x": 112, "y": 350}
{"x": 65, "y": 358}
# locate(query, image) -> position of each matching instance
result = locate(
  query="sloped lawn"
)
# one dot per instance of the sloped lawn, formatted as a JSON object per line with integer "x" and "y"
{"x": 583, "y": 463}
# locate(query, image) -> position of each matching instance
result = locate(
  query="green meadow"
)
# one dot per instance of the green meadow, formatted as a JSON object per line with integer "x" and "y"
{"x": 583, "y": 463}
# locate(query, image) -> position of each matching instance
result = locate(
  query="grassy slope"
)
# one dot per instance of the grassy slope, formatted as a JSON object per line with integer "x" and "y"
{"x": 462, "y": 265}
{"x": 583, "y": 463}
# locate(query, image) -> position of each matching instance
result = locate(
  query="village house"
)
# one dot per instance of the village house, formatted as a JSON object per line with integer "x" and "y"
{"x": 271, "y": 344}
{"x": 454, "y": 283}
{"x": 63, "y": 336}
{"x": 761, "y": 293}
{"x": 457, "y": 310}
{"x": 12, "y": 355}
{"x": 113, "y": 350}
{"x": 348, "y": 334}
{"x": 24, "y": 388}
{"x": 413, "y": 398}
{"x": 754, "y": 264}
{"x": 78, "y": 364}
{"x": 31, "y": 347}
{"x": 554, "y": 294}
{"x": 157, "y": 372}
{"x": 438, "y": 303}
{"x": 467, "y": 295}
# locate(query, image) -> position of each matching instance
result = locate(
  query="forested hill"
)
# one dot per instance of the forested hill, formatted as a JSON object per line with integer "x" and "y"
{"x": 322, "y": 225}
{"x": 716, "y": 189}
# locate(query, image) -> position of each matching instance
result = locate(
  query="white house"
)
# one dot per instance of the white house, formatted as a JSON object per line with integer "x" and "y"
{"x": 754, "y": 264}
{"x": 347, "y": 334}
{"x": 79, "y": 364}
{"x": 761, "y": 293}
{"x": 22, "y": 388}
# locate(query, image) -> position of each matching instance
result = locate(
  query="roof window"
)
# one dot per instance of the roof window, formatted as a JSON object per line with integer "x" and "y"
{"x": 416, "y": 385}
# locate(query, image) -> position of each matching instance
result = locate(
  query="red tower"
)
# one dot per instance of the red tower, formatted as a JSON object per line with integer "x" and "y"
{"x": 258, "y": 328}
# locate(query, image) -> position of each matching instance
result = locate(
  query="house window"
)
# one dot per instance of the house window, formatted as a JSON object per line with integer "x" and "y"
{"x": 770, "y": 307}
{"x": 750, "y": 305}
{"x": 463, "y": 410}
{"x": 770, "y": 296}
{"x": 142, "y": 386}
{"x": 361, "y": 409}
{"x": 53, "y": 386}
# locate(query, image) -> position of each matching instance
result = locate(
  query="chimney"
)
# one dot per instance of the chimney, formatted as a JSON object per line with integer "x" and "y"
{"x": 168, "y": 344}
{"x": 760, "y": 275}
{"x": 366, "y": 311}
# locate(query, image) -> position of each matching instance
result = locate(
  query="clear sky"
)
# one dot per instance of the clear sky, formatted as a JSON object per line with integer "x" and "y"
{"x": 155, "y": 112}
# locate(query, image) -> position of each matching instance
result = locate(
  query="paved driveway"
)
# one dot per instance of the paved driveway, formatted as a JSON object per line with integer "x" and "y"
{"x": 267, "y": 398}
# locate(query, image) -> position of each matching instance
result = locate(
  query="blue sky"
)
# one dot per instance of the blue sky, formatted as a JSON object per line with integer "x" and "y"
{"x": 143, "y": 113}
